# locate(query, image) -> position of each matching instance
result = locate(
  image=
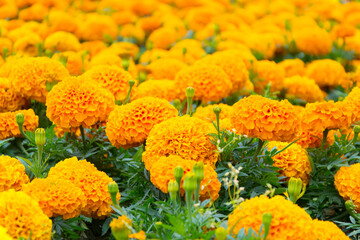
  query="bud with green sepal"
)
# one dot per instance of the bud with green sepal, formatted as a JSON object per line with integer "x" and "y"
{"x": 173, "y": 188}
{"x": 20, "y": 120}
{"x": 178, "y": 174}
{"x": 221, "y": 233}
{"x": 142, "y": 76}
{"x": 356, "y": 130}
{"x": 267, "y": 218}
{"x": 189, "y": 187}
{"x": 177, "y": 104}
{"x": 189, "y": 93}
{"x": 113, "y": 189}
{"x": 125, "y": 63}
{"x": 40, "y": 142}
{"x": 198, "y": 170}
{"x": 217, "y": 111}
{"x": 296, "y": 189}
{"x": 350, "y": 207}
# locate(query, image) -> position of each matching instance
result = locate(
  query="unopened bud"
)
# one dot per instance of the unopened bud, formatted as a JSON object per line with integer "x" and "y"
{"x": 125, "y": 63}
{"x": 357, "y": 129}
{"x": 40, "y": 137}
{"x": 131, "y": 83}
{"x": 267, "y": 218}
{"x": 295, "y": 186}
{"x": 198, "y": 170}
{"x": 20, "y": 119}
{"x": 221, "y": 233}
{"x": 142, "y": 76}
{"x": 113, "y": 188}
{"x": 217, "y": 110}
{"x": 173, "y": 188}
{"x": 177, "y": 104}
{"x": 190, "y": 182}
{"x": 178, "y": 174}
{"x": 190, "y": 92}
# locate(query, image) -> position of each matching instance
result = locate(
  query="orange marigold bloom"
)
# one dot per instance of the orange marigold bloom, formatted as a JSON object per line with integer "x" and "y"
{"x": 129, "y": 125}
{"x": 29, "y": 76}
{"x": 132, "y": 32}
{"x": 289, "y": 221}
{"x": 4, "y": 235}
{"x": 235, "y": 69}
{"x": 207, "y": 113}
{"x": 211, "y": 83}
{"x": 304, "y": 88}
{"x": 312, "y": 139}
{"x": 326, "y": 230}
{"x": 327, "y": 115}
{"x": 184, "y": 136}
{"x": 22, "y": 216}
{"x": 293, "y": 161}
{"x": 313, "y": 40}
{"x": 94, "y": 47}
{"x": 62, "y": 21}
{"x": 57, "y": 197}
{"x": 5, "y": 43}
{"x": 27, "y": 45}
{"x": 244, "y": 56}
{"x": 36, "y": 12}
{"x": 96, "y": 27}
{"x": 343, "y": 30}
{"x": 79, "y": 102}
{"x": 120, "y": 223}
{"x": 353, "y": 100}
{"x": 347, "y": 183}
{"x": 9, "y": 127}
{"x": 76, "y": 62}
{"x": 162, "y": 38}
{"x": 62, "y": 41}
{"x": 165, "y": 68}
{"x": 112, "y": 78}
{"x": 152, "y": 55}
{"x": 8, "y": 9}
{"x": 12, "y": 174}
{"x": 293, "y": 67}
{"x": 93, "y": 183}
{"x": 268, "y": 72}
{"x": 9, "y": 99}
{"x": 326, "y": 72}
{"x": 266, "y": 119}
{"x": 166, "y": 89}
{"x": 162, "y": 172}
{"x": 139, "y": 235}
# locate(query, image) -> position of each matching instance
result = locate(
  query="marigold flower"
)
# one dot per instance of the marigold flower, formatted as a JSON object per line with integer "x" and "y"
{"x": 303, "y": 88}
{"x": 93, "y": 47}
{"x": 293, "y": 161}
{"x": 293, "y": 67}
{"x": 289, "y": 221}
{"x": 327, "y": 115}
{"x": 93, "y": 183}
{"x": 343, "y": 30}
{"x": 13, "y": 174}
{"x": 165, "y": 68}
{"x": 79, "y": 102}
{"x": 162, "y": 172}
{"x": 62, "y": 41}
{"x": 9, "y": 99}
{"x": 268, "y": 72}
{"x": 211, "y": 83}
{"x": 162, "y": 38}
{"x": 57, "y": 197}
{"x": 347, "y": 183}
{"x": 150, "y": 23}
{"x": 184, "y": 136}
{"x": 62, "y": 21}
{"x": 313, "y": 40}
{"x": 152, "y": 55}
{"x": 353, "y": 100}
{"x": 312, "y": 139}
{"x": 5, "y": 43}
{"x": 96, "y": 27}
{"x": 326, "y": 230}
{"x": 207, "y": 113}
{"x": 266, "y": 119}
{"x": 36, "y": 12}
{"x": 139, "y": 235}
{"x": 76, "y": 62}
{"x": 4, "y": 235}
{"x": 22, "y": 216}
{"x": 8, "y": 9}
{"x": 129, "y": 125}
{"x": 27, "y": 45}
{"x": 166, "y": 89}
{"x": 120, "y": 223}
{"x": 9, "y": 127}
{"x": 326, "y": 72}
{"x": 30, "y": 75}
{"x": 112, "y": 78}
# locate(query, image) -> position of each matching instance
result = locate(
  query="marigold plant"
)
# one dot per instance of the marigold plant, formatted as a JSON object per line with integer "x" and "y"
{"x": 303, "y": 88}
{"x": 13, "y": 175}
{"x": 326, "y": 72}
{"x": 62, "y": 41}
{"x": 9, "y": 127}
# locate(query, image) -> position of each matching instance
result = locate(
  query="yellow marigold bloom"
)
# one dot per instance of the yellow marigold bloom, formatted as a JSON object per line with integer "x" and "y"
{"x": 198, "y": 18}
{"x": 30, "y": 75}
{"x": 93, "y": 47}
{"x": 57, "y": 197}
{"x": 353, "y": 44}
{"x": 133, "y": 32}
{"x": 123, "y": 17}
{"x": 293, "y": 67}
{"x": 162, "y": 38}
{"x": 353, "y": 99}
{"x": 347, "y": 183}
{"x": 62, "y": 41}
{"x": 207, "y": 113}
{"x": 79, "y": 102}
{"x": 289, "y": 221}
{"x": 112, "y": 78}
{"x": 267, "y": 119}
{"x": 62, "y": 21}
{"x": 165, "y": 68}
{"x": 152, "y": 55}
{"x": 327, "y": 115}
{"x": 184, "y": 136}
{"x": 166, "y": 89}
{"x": 76, "y": 62}
{"x": 129, "y": 125}
{"x": 8, "y": 9}
{"x": 9, "y": 127}
{"x": 235, "y": 69}
{"x": 22, "y": 216}
{"x": 13, "y": 175}
{"x": 96, "y": 26}
{"x": 4, "y": 235}
{"x": 244, "y": 56}
{"x": 9, "y": 99}
{"x": 36, "y": 12}
{"x": 139, "y": 235}
{"x": 326, "y": 72}
{"x": 121, "y": 223}
{"x": 211, "y": 83}
{"x": 192, "y": 48}
{"x": 268, "y": 72}
{"x": 150, "y": 23}
{"x": 343, "y": 30}
{"x": 326, "y": 230}
{"x": 93, "y": 183}
{"x": 293, "y": 161}
{"x": 303, "y": 88}
{"x": 314, "y": 40}
{"x": 162, "y": 172}
{"x": 27, "y": 45}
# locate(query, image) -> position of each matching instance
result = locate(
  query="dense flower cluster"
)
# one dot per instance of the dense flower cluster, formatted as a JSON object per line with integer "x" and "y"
{"x": 78, "y": 102}
{"x": 303, "y": 88}
{"x": 293, "y": 161}
{"x": 347, "y": 183}
{"x": 57, "y": 197}
{"x": 162, "y": 172}
{"x": 289, "y": 221}
{"x": 92, "y": 182}
{"x": 184, "y": 136}
{"x": 22, "y": 216}
{"x": 9, "y": 99}
{"x": 129, "y": 125}
{"x": 9, "y": 127}
{"x": 12, "y": 174}
{"x": 266, "y": 119}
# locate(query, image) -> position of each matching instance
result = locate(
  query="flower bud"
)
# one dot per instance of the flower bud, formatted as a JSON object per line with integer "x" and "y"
{"x": 294, "y": 189}
{"x": 217, "y": 110}
{"x": 158, "y": 225}
{"x": 357, "y": 129}
{"x": 190, "y": 182}
{"x": 184, "y": 51}
{"x": 40, "y": 137}
{"x": 267, "y": 218}
{"x": 113, "y": 188}
{"x": 177, "y": 104}
{"x": 190, "y": 92}
{"x": 125, "y": 63}
{"x": 198, "y": 170}
{"x": 173, "y": 188}
{"x": 20, "y": 119}
{"x": 142, "y": 76}
{"x": 131, "y": 83}
{"x": 178, "y": 174}
{"x": 221, "y": 233}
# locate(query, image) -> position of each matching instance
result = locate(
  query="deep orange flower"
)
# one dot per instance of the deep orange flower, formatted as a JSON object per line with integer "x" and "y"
{"x": 326, "y": 72}
{"x": 303, "y": 88}
{"x": 165, "y": 68}
{"x": 166, "y": 89}
{"x": 13, "y": 175}
{"x": 313, "y": 40}
{"x": 326, "y": 230}
{"x": 268, "y": 72}
{"x": 293, "y": 67}
{"x": 62, "y": 41}
{"x": 9, "y": 99}
{"x": 162, "y": 38}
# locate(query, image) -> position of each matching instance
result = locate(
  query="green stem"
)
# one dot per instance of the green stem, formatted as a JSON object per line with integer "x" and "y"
{"x": 325, "y": 134}
{"x": 258, "y": 149}
{"x": 197, "y": 192}
{"x": 116, "y": 204}
{"x": 39, "y": 160}
{"x": 189, "y": 203}
{"x": 83, "y": 136}
{"x": 127, "y": 99}
{"x": 189, "y": 105}
{"x": 218, "y": 124}
{"x": 26, "y": 136}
